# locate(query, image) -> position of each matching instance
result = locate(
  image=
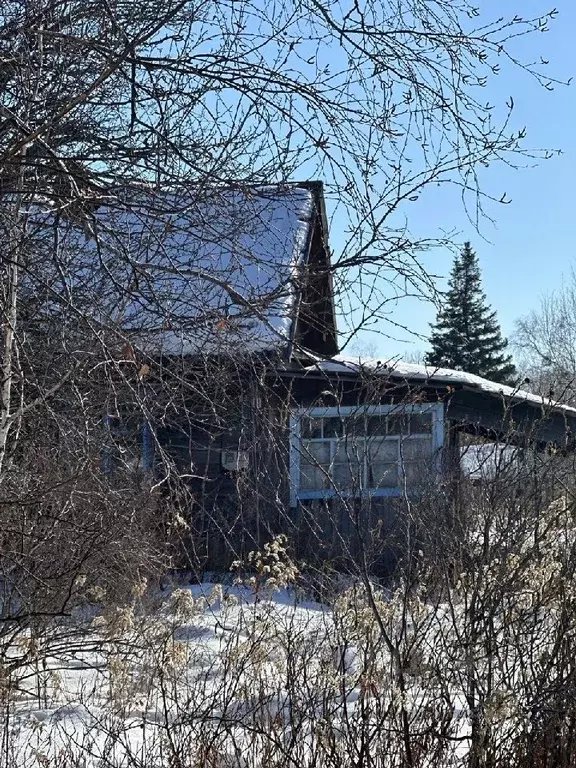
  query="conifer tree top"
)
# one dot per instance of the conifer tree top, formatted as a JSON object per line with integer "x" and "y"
{"x": 466, "y": 335}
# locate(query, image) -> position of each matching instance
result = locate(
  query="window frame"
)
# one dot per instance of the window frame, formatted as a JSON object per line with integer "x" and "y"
{"x": 137, "y": 441}
{"x": 437, "y": 434}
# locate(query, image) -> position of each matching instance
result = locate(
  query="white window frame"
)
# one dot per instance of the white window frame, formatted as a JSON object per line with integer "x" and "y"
{"x": 297, "y": 494}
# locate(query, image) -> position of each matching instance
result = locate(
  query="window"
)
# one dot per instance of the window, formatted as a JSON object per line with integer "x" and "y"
{"x": 128, "y": 444}
{"x": 376, "y": 450}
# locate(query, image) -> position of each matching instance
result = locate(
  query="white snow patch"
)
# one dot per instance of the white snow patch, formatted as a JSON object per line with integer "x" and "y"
{"x": 490, "y": 460}
{"x": 229, "y": 687}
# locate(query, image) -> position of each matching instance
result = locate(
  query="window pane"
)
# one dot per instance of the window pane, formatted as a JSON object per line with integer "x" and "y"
{"x": 355, "y": 425}
{"x": 333, "y": 426}
{"x": 348, "y": 475}
{"x": 316, "y": 451}
{"x": 310, "y": 428}
{"x": 382, "y": 450}
{"x": 417, "y": 473}
{"x": 350, "y": 449}
{"x": 414, "y": 449}
{"x": 313, "y": 477}
{"x": 420, "y": 422}
{"x": 397, "y": 424}
{"x": 383, "y": 475}
{"x": 376, "y": 425}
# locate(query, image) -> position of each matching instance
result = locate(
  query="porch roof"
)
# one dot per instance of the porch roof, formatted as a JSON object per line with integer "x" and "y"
{"x": 412, "y": 373}
{"x": 472, "y": 403}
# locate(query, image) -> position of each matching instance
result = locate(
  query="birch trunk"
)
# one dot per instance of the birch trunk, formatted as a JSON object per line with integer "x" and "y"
{"x": 11, "y": 259}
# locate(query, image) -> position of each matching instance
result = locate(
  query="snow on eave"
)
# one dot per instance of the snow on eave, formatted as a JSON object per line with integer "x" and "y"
{"x": 412, "y": 372}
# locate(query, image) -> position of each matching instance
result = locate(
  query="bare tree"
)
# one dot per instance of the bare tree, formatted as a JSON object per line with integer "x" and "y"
{"x": 545, "y": 340}
{"x": 125, "y": 127}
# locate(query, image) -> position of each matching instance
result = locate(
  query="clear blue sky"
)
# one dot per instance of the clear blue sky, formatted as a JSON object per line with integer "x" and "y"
{"x": 530, "y": 247}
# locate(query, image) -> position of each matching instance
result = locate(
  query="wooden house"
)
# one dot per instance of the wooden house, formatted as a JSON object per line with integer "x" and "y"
{"x": 249, "y": 404}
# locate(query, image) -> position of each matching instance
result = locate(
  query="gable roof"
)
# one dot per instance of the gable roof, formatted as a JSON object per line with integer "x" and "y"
{"x": 205, "y": 270}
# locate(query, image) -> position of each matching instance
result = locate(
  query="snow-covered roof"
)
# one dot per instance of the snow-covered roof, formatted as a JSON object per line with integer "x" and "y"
{"x": 413, "y": 372}
{"x": 191, "y": 271}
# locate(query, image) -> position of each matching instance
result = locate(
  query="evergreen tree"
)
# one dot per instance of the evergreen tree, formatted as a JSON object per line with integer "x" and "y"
{"x": 467, "y": 336}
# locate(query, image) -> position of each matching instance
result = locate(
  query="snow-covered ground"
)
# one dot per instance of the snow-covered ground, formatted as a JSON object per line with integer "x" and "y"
{"x": 256, "y": 676}
{"x": 137, "y": 690}
{"x": 213, "y": 676}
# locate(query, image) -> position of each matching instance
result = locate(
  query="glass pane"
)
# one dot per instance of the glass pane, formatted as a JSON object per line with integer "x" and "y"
{"x": 313, "y": 477}
{"x": 383, "y": 475}
{"x": 355, "y": 425}
{"x": 316, "y": 451}
{"x": 347, "y": 476}
{"x": 414, "y": 449}
{"x": 349, "y": 450}
{"x": 397, "y": 424}
{"x": 417, "y": 473}
{"x": 310, "y": 428}
{"x": 376, "y": 425}
{"x": 333, "y": 426}
{"x": 420, "y": 422}
{"x": 382, "y": 450}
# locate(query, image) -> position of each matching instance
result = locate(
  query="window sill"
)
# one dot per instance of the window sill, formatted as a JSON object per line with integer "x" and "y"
{"x": 334, "y": 494}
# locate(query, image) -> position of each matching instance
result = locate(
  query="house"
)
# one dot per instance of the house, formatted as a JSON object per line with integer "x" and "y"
{"x": 438, "y": 406}
{"x": 228, "y": 306}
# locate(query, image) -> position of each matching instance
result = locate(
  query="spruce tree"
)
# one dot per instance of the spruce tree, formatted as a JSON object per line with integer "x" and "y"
{"x": 467, "y": 336}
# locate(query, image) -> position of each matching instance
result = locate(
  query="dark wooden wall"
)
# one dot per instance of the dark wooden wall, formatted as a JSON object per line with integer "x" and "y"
{"x": 230, "y": 512}
{"x": 233, "y": 512}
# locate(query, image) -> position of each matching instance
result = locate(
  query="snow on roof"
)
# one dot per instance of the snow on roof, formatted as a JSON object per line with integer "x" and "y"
{"x": 188, "y": 272}
{"x": 429, "y": 374}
